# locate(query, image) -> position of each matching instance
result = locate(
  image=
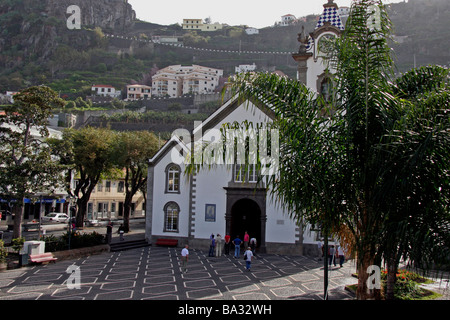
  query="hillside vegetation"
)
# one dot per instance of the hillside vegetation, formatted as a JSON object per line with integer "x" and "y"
{"x": 37, "y": 48}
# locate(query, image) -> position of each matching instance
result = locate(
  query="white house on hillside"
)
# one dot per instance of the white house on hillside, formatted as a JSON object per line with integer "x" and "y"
{"x": 287, "y": 20}
{"x": 245, "y": 68}
{"x": 251, "y": 31}
{"x": 106, "y": 91}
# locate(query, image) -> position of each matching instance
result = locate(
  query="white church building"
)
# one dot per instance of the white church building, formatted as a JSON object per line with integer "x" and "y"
{"x": 189, "y": 207}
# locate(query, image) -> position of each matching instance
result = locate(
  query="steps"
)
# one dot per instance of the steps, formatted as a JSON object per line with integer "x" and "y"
{"x": 127, "y": 245}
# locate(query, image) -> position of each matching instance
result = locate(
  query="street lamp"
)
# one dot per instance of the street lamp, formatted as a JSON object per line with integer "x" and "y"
{"x": 324, "y": 232}
{"x": 40, "y": 215}
{"x": 69, "y": 213}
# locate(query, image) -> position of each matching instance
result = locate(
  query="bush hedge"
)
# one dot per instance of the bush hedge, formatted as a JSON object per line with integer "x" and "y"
{"x": 77, "y": 240}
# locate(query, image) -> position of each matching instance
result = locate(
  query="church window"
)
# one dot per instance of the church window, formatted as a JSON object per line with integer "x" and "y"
{"x": 171, "y": 213}
{"x": 173, "y": 179}
{"x": 238, "y": 173}
{"x": 252, "y": 173}
{"x": 244, "y": 173}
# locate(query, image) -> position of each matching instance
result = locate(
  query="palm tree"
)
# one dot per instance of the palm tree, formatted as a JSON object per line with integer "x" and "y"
{"x": 334, "y": 166}
{"x": 415, "y": 196}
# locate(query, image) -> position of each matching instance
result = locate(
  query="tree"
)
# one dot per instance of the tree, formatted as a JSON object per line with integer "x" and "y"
{"x": 131, "y": 152}
{"x": 88, "y": 154}
{"x": 416, "y": 194}
{"x": 366, "y": 106}
{"x": 338, "y": 162}
{"x": 26, "y": 163}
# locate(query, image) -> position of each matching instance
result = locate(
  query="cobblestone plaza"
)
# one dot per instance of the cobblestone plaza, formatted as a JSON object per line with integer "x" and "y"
{"x": 154, "y": 273}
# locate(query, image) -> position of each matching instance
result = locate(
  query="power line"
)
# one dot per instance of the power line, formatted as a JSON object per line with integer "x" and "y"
{"x": 199, "y": 49}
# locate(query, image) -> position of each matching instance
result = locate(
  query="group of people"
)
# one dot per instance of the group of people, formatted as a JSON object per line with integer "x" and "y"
{"x": 215, "y": 249}
{"x": 217, "y": 243}
{"x": 333, "y": 254}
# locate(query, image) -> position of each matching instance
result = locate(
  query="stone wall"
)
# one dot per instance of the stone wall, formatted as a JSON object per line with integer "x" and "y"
{"x": 81, "y": 252}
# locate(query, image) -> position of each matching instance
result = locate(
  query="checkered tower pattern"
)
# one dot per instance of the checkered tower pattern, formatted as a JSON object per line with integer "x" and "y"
{"x": 331, "y": 15}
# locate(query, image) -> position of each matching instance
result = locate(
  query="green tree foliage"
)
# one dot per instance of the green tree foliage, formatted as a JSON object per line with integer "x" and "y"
{"x": 130, "y": 152}
{"x": 375, "y": 161}
{"x": 26, "y": 163}
{"x": 415, "y": 196}
{"x": 88, "y": 154}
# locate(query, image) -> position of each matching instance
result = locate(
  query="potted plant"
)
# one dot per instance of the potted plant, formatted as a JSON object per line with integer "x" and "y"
{"x": 3, "y": 255}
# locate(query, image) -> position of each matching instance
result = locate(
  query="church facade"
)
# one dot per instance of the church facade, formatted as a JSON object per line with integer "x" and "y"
{"x": 190, "y": 205}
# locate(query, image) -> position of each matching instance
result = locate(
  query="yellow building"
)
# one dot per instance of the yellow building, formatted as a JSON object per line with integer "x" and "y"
{"x": 198, "y": 24}
{"x": 107, "y": 199}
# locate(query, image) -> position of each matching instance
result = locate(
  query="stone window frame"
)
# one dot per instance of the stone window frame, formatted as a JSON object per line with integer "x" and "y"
{"x": 168, "y": 172}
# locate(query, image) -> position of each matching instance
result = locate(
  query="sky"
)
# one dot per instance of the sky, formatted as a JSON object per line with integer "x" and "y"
{"x": 257, "y": 14}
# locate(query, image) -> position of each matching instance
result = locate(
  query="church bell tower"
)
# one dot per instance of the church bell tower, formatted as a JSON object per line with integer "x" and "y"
{"x": 312, "y": 70}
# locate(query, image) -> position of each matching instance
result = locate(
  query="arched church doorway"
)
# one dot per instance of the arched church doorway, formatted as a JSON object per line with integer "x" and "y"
{"x": 246, "y": 216}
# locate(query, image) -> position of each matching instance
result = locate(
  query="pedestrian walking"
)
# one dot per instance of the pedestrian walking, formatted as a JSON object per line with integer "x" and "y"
{"x": 248, "y": 258}
{"x": 212, "y": 246}
{"x": 121, "y": 231}
{"x": 246, "y": 239}
{"x": 253, "y": 243}
{"x": 320, "y": 248}
{"x": 109, "y": 229}
{"x": 184, "y": 258}
{"x": 341, "y": 255}
{"x": 219, "y": 245}
{"x": 227, "y": 244}
{"x": 331, "y": 253}
{"x": 237, "y": 246}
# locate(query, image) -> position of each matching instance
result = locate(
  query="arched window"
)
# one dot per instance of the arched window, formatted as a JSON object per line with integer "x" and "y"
{"x": 171, "y": 217}
{"x": 173, "y": 178}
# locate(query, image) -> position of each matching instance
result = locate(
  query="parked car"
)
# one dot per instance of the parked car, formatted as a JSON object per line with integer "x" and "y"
{"x": 55, "y": 217}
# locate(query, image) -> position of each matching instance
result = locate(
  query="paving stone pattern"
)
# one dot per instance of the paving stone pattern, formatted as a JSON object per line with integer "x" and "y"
{"x": 155, "y": 273}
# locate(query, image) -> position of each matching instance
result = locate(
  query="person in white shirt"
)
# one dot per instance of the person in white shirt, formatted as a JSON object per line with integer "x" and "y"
{"x": 218, "y": 245}
{"x": 320, "y": 248}
{"x": 341, "y": 255}
{"x": 248, "y": 258}
{"x": 184, "y": 258}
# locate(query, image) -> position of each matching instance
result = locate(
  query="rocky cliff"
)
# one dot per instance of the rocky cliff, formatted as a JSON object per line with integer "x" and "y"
{"x": 117, "y": 15}
{"x": 34, "y": 30}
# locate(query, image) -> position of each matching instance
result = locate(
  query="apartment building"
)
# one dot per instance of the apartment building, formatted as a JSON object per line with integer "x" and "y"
{"x": 177, "y": 80}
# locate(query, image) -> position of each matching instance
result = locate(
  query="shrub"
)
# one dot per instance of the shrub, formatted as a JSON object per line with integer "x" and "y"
{"x": 17, "y": 244}
{"x": 406, "y": 285}
{"x": 3, "y": 252}
{"x": 81, "y": 240}
{"x": 77, "y": 240}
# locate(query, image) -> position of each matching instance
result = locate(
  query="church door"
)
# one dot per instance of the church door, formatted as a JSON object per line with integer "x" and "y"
{"x": 246, "y": 211}
{"x": 246, "y": 216}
